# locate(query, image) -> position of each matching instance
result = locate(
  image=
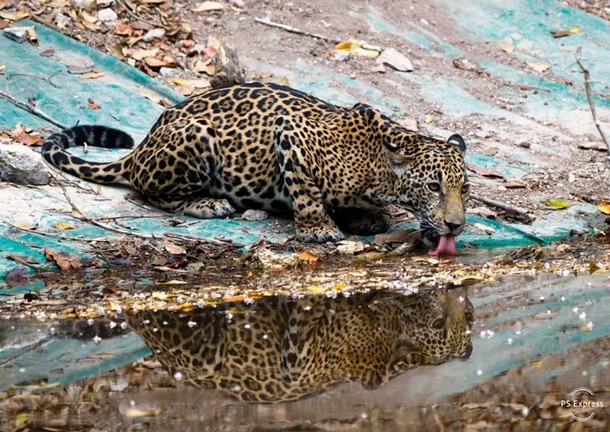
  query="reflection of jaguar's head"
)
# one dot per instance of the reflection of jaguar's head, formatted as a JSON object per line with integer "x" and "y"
{"x": 280, "y": 349}
{"x": 437, "y": 329}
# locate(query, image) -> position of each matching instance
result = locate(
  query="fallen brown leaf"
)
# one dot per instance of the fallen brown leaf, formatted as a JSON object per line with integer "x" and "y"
{"x": 485, "y": 172}
{"x": 92, "y": 105}
{"x": 66, "y": 261}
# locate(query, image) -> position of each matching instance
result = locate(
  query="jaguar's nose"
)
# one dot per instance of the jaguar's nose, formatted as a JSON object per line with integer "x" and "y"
{"x": 453, "y": 225}
{"x": 466, "y": 354}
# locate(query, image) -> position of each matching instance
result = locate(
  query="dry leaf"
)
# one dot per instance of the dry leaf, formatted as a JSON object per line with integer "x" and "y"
{"x": 14, "y": 16}
{"x": 63, "y": 225}
{"x": 173, "y": 248}
{"x": 66, "y": 261}
{"x": 514, "y": 185}
{"x": 92, "y": 105}
{"x": 29, "y": 140}
{"x": 356, "y": 48}
{"x": 484, "y": 228}
{"x": 209, "y": 6}
{"x": 485, "y": 172}
{"x": 140, "y": 412}
{"x": 309, "y": 257}
{"x": 22, "y": 259}
{"x": 538, "y": 67}
{"x": 2, "y": 67}
{"x": 568, "y": 32}
{"x": 558, "y": 204}
{"x": 427, "y": 118}
{"x": 284, "y": 81}
{"x": 92, "y": 75}
{"x": 172, "y": 282}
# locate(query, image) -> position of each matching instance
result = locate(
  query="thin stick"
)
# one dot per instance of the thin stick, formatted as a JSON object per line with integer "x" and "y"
{"x": 587, "y": 79}
{"x": 34, "y": 111}
{"x": 499, "y": 204}
{"x": 136, "y": 16}
{"x": 268, "y": 22}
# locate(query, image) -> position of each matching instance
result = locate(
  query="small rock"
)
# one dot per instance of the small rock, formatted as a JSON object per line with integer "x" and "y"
{"x": 483, "y": 211}
{"x": 525, "y": 144}
{"x": 348, "y": 247}
{"x": 20, "y": 164}
{"x": 380, "y": 69}
{"x": 267, "y": 259}
{"x": 238, "y": 3}
{"x": 156, "y": 33}
{"x": 18, "y": 34}
{"x": 395, "y": 59}
{"x": 88, "y": 5}
{"x": 590, "y": 145}
{"x": 107, "y": 15}
{"x": 254, "y": 215}
{"x": 102, "y": 3}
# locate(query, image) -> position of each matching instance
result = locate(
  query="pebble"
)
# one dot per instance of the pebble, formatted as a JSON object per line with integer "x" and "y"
{"x": 18, "y": 34}
{"x": 254, "y": 215}
{"x": 525, "y": 144}
{"x": 107, "y": 15}
{"x": 395, "y": 59}
{"x": 156, "y": 33}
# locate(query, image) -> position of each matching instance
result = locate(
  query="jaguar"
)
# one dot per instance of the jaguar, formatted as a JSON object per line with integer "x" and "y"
{"x": 281, "y": 349}
{"x": 271, "y": 147}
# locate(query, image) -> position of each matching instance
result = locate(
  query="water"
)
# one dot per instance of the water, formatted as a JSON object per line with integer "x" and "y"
{"x": 379, "y": 361}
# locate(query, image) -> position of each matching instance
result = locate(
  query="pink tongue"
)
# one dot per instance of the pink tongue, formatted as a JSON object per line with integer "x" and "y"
{"x": 446, "y": 245}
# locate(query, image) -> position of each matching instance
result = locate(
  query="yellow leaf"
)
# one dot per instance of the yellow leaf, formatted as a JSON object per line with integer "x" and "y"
{"x": 22, "y": 419}
{"x": 593, "y": 267}
{"x": 64, "y": 225}
{"x": 427, "y": 118}
{"x": 172, "y": 282}
{"x": 185, "y": 307}
{"x": 284, "y": 81}
{"x": 575, "y": 30}
{"x": 2, "y": 67}
{"x": 558, "y": 204}
{"x": 14, "y": 16}
{"x": 356, "y": 48}
{"x": 179, "y": 81}
{"x": 159, "y": 295}
{"x": 604, "y": 207}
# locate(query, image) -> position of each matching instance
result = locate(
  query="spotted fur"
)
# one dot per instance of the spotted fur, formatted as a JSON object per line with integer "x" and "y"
{"x": 271, "y": 147}
{"x": 278, "y": 349}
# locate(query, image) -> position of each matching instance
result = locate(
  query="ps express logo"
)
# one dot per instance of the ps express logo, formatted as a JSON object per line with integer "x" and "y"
{"x": 582, "y": 404}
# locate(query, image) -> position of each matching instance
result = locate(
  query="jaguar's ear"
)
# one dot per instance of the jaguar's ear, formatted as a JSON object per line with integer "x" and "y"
{"x": 457, "y": 141}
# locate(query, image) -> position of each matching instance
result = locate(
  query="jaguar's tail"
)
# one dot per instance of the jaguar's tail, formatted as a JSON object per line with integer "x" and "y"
{"x": 54, "y": 152}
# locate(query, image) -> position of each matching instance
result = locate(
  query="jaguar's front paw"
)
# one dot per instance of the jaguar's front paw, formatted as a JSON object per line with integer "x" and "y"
{"x": 319, "y": 234}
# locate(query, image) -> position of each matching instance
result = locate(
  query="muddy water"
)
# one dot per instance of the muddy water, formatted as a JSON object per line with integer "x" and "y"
{"x": 373, "y": 361}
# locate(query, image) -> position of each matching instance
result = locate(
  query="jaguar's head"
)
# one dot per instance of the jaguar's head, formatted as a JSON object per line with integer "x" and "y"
{"x": 432, "y": 183}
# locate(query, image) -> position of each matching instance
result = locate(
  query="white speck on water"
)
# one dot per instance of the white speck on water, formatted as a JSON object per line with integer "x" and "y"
{"x": 90, "y": 321}
{"x": 575, "y": 309}
{"x": 590, "y": 325}
{"x": 97, "y": 340}
{"x": 191, "y": 324}
{"x": 563, "y": 298}
{"x": 479, "y": 372}
{"x": 178, "y": 376}
{"x": 22, "y": 370}
{"x": 541, "y": 298}
{"x": 518, "y": 332}
{"x": 487, "y": 334}
{"x": 509, "y": 341}
{"x": 582, "y": 316}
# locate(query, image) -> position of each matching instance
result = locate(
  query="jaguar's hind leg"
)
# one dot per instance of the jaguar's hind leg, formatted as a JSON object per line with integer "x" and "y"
{"x": 175, "y": 166}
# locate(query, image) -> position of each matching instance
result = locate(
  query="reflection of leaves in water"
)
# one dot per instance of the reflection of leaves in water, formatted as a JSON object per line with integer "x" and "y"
{"x": 278, "y": 348}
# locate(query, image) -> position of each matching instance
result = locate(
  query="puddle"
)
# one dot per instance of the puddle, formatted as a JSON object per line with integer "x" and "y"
{"x": 379, "y": 360}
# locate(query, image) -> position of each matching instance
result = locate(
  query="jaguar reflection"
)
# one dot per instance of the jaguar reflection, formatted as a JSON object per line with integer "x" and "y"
{"x": 282, "y": 349}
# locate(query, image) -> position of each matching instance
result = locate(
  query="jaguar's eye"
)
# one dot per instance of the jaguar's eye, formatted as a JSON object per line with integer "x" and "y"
{"x": 434, "y": 187}
{"x": 438, "y": 323}
{"x": 465, "y": 189}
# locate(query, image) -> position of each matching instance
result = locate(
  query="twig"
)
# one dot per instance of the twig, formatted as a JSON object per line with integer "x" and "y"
{"x": 34, "y": 111}
{"x": 136, "y": 16}
{"x": 268, "y": 22}
{"x": 48, "y": 79}
{"x": 84, "y": 217}
{"x": 587, "y": 79}
{"x": 499, "y": 204}
{"x": 57, "y": 236}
